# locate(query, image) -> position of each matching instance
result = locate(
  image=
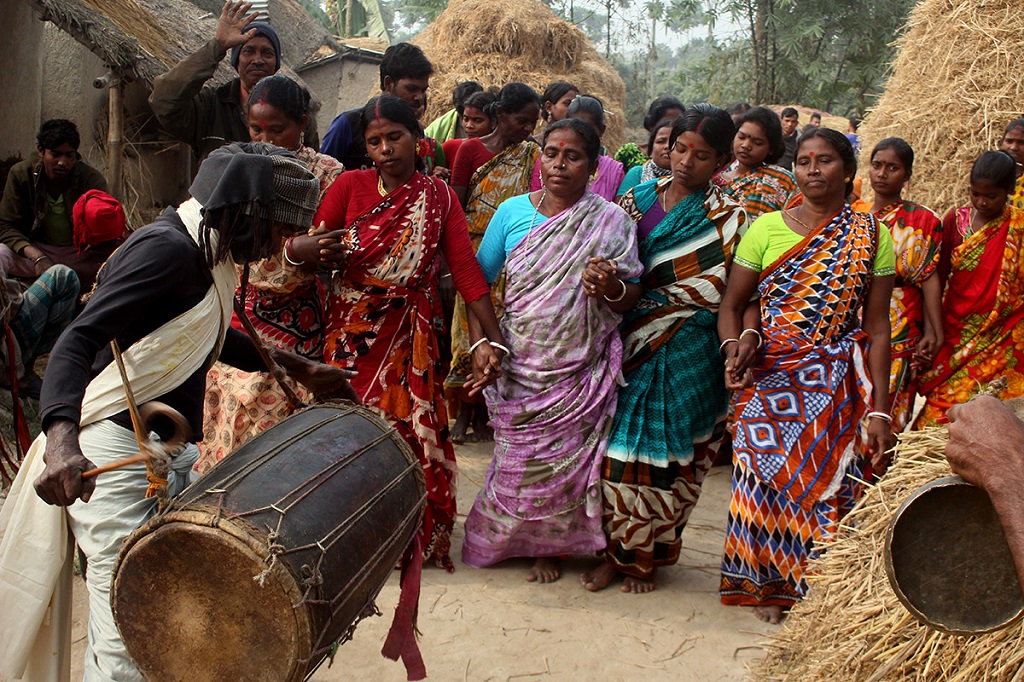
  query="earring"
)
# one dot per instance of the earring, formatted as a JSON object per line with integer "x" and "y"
{"x": 846, "y": 179}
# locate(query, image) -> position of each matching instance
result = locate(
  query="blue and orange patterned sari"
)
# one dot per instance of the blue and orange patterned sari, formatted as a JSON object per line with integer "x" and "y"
{"x": 796, "y": 453}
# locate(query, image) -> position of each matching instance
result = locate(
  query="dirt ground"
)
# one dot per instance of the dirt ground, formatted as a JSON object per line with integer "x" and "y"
{"x": 491, "y": 624}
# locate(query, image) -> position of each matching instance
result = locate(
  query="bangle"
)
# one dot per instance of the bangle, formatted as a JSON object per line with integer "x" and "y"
{"x": 288, "y": 257}
{"x": 721, "y": 349}
{"x": 500, "y": 347}
{"x": 477, "y": 344}
{"x": 620, "y": 296}
{"x": 43, "y": 257}
{"x": 881, "y": 415}
{"x": 760, "y": 341}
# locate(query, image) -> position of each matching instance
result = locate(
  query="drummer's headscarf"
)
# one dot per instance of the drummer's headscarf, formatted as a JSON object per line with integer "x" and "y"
{"x": 246, "y": 189}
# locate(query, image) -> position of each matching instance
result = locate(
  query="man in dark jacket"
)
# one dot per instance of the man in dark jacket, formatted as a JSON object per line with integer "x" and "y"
{"x": 36, "y": 228}
{"x": 209, "y": 117}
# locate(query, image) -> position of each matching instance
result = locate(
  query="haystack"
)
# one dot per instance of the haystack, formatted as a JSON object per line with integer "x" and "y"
{"x": 853, "y": 628}
{"x": 495, "y": 43}
{"x": 955, "y": 85}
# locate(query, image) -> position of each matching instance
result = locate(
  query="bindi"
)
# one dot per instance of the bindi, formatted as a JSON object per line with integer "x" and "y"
{"x": 692, "y": 145}
{"x": 561, "y": 144}
{"x": 811, "y": 153}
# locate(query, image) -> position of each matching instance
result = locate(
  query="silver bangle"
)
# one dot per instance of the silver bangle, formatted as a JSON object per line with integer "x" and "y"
{"x": 500, "y": 347}
{"x": 760, "y": 341}
{"x": 721, "y": 348}
{"x": 477, "y": 344}
{"x": 881, "y": 415}
{"x": 287, "y": 256}
{"x": 620, "y": 296}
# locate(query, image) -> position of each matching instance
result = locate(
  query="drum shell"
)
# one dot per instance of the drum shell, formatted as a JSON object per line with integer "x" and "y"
{"x": 948, "y": 561}
{"x": 273, "y": 554}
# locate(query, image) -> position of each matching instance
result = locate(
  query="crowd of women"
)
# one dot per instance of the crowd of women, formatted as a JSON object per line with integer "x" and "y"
{"x": 620, "y": 321}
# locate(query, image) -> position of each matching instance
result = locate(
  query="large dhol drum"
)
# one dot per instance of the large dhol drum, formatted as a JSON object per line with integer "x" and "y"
{"x": 258, "y": 569}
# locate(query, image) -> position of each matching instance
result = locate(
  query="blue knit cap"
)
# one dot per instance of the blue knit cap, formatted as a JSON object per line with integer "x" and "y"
{"x": 261, "y": 30}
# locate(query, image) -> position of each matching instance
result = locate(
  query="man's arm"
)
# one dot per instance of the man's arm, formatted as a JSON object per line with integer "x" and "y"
{"x": 176, "y": 99}
{"x": 986, "y": 448}
{"x": 16, "y": 210}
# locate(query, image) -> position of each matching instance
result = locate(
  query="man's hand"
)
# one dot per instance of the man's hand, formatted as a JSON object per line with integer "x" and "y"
{"x": 232, "y": 24}
{"x": 325, "y": 381}
{"x": 986, "y": 444}
{"x": 61, "y": 482}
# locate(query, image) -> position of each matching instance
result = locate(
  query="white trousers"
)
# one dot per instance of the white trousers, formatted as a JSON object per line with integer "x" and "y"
{"x": 117, "y": 507}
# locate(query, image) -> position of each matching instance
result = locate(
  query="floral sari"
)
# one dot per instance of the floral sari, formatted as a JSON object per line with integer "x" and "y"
{"x": 983, "y": 316}
{"x": 796, "y": 449}
{"x": 285, "y": 304}
{"x": 916, "y": 236}
{"x": 380, "y": 322}
{"x": 553, "y": 405}
{"x": 671, "y": 413}
{"x": 506, "y": 175}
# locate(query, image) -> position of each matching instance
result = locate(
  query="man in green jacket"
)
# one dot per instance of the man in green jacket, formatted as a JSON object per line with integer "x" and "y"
{"x": 209, "y": 117}
{"x": 36, "y": 226}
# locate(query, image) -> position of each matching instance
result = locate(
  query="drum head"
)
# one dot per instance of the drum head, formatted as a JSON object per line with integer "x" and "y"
{"x": 948, "y": 561}
{"x": 188, "y": 608}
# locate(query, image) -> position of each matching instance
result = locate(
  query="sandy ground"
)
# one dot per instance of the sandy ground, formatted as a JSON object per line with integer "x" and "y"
{"x": 493, "y": 625}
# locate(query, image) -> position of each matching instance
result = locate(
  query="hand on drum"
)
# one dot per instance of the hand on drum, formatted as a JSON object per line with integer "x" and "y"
{"x": 486, "y": 367}
{"x": 61, "y": 482}
{"x": 325, "y": 381}
{"x": 986, "y": 442}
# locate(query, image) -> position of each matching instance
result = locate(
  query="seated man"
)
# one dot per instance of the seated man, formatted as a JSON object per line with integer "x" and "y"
{"x": 166, "y": 298}
{"x": 404, "y": 72}
{"x": 36, "y": 227}
{"x": 34, "y": 317}
{"x": 986, "y": 448}
{"x": 209, "y": 117}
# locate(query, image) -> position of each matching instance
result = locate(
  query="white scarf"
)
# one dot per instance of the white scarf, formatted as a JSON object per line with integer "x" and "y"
{"x": 33, "y": 535}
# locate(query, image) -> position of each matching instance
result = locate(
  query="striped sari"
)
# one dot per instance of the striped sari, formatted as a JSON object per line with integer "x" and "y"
{"x": 671, "y": 413}
{"x": 796, "y": 448}
{"x": 506, "y": 175}
{"x": 765, "y": 189}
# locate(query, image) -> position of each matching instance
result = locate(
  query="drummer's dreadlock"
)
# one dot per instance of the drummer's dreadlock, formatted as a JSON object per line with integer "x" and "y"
{"x": 244, "y": 234}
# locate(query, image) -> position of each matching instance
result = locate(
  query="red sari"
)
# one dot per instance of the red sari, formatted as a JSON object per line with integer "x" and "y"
{"x": 382, "y": 314}
{"x": 982, "y": 313}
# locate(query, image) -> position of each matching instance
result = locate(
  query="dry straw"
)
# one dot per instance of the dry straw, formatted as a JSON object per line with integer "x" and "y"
{"x": 495, "y": 43}
{"x": 853, "y": 628}
{"x": 955, "y": 84}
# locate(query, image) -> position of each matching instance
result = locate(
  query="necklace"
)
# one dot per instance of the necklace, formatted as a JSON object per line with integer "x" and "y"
{"x": 806, "y": 226}
{"x": 380, "y": 185}
{"x": 543, "y": 195}
{"x": 661, "y": 198}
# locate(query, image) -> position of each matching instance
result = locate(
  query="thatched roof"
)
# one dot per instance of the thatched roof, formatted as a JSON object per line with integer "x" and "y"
{"x": 138, "y": 40}
{"x": 143, "y": 40}
{"x": 955, "y": 84}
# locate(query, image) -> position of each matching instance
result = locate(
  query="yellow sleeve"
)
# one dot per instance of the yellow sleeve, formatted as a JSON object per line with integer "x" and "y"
{"x": 885, "y": 258}
{"x": 753, "y": 246}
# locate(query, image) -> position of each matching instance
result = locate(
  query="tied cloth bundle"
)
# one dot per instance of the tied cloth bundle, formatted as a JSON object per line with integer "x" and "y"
{"x": 98, "y": 218}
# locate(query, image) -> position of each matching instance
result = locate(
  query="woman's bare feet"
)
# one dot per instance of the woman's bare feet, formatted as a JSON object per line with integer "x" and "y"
{"x": 770, "y": 614}
{"x": 545, "y": 570}
{"x": 637, "y": 585}
{"x": 481, "y": 428}
{"x": 600, "y": 577}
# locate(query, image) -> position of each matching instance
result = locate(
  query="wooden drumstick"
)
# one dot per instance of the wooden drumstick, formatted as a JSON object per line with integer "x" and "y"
{"x": 123, "y": 462}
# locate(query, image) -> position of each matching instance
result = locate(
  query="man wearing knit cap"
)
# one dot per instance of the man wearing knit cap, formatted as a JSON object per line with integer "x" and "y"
{"x": 166, "y": 297}
{"x": 207, "y": 117}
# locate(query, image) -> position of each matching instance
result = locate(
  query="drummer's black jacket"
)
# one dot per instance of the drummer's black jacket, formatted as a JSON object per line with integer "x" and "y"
{"x": 156, "y": 275}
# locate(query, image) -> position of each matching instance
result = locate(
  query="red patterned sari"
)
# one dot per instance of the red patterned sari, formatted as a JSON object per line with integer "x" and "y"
{"x": 380, "y": 322}
{"x": 982, "y": 316}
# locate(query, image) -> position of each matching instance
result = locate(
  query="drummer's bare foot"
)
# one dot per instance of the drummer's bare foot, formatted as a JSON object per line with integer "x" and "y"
{"x": 637, "y": 585}
{"x": 458, "y": 432}
{"x": 484, "y": 432}
{"x": 600, "y": 577}
{"x": 545, "y": 570}
{"x": 770, "y": 614}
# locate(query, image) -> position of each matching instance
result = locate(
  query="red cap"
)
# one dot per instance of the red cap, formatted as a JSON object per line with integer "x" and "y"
{"x": 98, "y": 217}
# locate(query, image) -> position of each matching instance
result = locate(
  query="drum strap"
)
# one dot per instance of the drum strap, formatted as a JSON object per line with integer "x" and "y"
{"x": 401, "y": 640}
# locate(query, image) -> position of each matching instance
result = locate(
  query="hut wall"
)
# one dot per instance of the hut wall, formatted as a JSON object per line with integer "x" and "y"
{"x": 341, "y": 84}
{"x": 68, "y": 70}
{"x": 20, "y": 52}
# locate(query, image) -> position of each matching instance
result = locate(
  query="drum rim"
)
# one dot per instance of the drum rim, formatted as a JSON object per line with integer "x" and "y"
{"x": 243, "y": 535}
{"x": 890, "y": 569}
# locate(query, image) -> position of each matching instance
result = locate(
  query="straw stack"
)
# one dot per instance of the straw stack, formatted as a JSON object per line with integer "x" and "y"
{"x": 853, "y": 628}
{"x": 495, "y": 43}
{"x": 955, "y": 84}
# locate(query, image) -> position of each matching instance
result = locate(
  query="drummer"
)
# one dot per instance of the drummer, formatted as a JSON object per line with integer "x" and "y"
{"x": 986, "y": 448}
{"x": 166, "y": 297}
